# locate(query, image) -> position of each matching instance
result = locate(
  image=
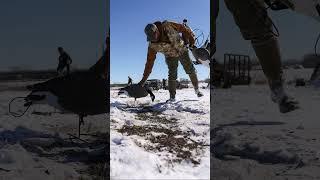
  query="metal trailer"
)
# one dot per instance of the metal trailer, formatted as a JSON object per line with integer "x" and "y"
{"x": 238, "y": 68}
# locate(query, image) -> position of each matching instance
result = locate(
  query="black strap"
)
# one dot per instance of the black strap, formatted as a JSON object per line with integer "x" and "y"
{"x": 276, "y": 5}
{"x": 14, "y": 114}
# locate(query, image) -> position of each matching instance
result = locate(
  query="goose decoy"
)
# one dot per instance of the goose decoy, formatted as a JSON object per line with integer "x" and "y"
{"x": 83, "y": 93}
{"x": 137, "y": 91}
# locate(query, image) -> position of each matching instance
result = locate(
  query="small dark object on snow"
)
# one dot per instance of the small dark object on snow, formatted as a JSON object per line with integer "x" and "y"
{"x": 300, "y": 82}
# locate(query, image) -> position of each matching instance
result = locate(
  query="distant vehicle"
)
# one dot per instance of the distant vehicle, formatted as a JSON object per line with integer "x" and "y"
{"x": 183, "y": 83}
{"x": 297, "y": 66}
{"x": 155, "y": 84}
{"x": 179, "y": 84}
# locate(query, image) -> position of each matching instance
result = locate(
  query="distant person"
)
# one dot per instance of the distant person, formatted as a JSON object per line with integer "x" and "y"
{"x": 129, "y": 81}
{"x": 165, "y": 37}
{"x": 64, "y": 61}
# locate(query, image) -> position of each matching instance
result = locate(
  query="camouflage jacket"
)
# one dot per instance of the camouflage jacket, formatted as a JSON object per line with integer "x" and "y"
{"x": 171, "y": 43}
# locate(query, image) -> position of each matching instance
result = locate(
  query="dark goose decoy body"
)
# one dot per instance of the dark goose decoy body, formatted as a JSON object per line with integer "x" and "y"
{"x": 83, "y": 93}
{"x": 137, "y": 91}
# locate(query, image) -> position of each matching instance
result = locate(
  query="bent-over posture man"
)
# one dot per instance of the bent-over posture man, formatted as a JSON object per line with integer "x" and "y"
{"x": 164, "y": 37}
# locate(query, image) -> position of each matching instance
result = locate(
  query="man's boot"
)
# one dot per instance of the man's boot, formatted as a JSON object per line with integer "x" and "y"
{"x": 279, "y": 96}
{"x": 268, "y": 53}
{"x": 195, "y": 83}
{"x": 172, "y": 85}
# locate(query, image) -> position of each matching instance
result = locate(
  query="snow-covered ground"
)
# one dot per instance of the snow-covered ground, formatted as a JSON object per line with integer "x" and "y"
{"x": 252, "y": 140}
{"x": 158, "y": 140}
{"x": 36, "y": 145}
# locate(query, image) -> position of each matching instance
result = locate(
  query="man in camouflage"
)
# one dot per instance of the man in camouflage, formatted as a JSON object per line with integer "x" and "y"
{"x": 255, "y": 25}
{"x": 164, "y": 37}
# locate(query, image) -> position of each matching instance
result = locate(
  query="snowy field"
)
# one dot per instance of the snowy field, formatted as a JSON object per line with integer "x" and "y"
{"x": 36, "y": 145}
{"x": 158, "y": 140}
{"x": 252, "y": 140}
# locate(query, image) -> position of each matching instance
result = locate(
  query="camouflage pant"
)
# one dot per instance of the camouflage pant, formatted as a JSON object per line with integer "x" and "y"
{"x": 252, "y": 18}
{"x": 188, "y": 66}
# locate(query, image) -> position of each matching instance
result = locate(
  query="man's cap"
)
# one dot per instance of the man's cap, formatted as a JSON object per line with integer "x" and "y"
{"x": 150, "y": 31}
